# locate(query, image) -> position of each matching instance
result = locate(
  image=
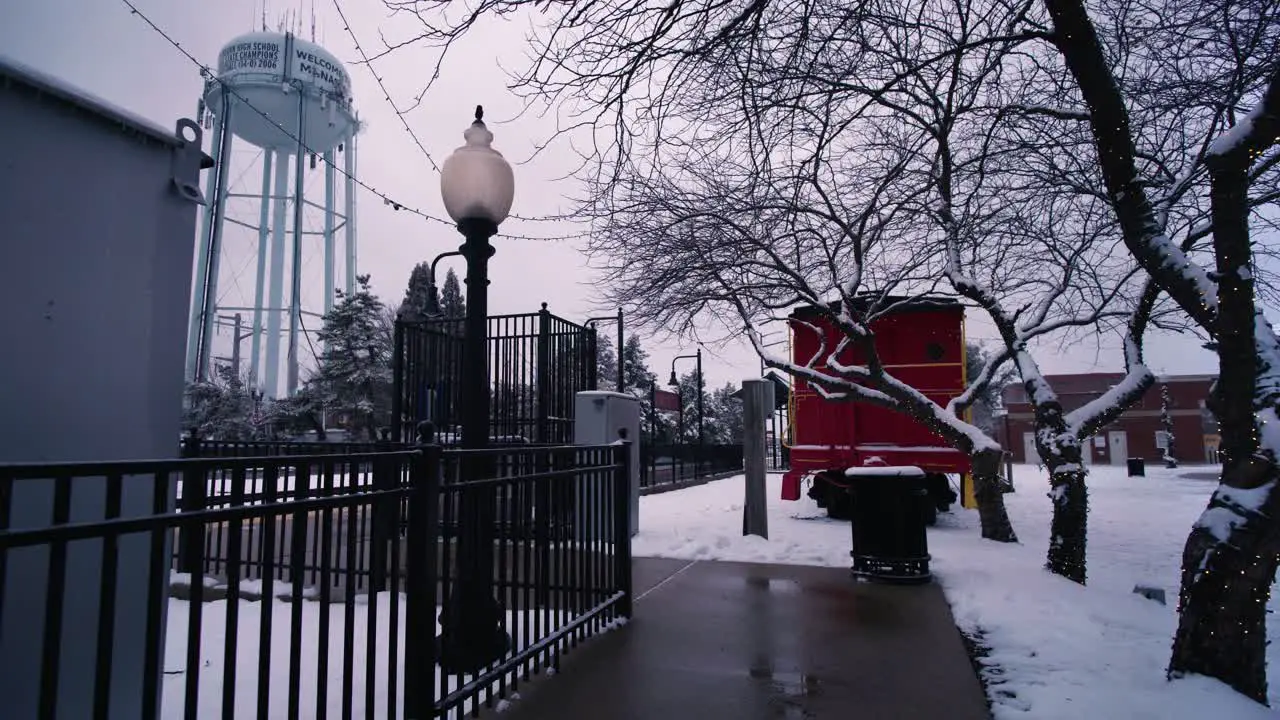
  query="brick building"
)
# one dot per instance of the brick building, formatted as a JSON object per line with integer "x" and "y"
{"x": 1137, "y": 433}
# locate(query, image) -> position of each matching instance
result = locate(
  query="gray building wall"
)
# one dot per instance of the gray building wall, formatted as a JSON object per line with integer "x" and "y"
{"x": 97, "y": 222}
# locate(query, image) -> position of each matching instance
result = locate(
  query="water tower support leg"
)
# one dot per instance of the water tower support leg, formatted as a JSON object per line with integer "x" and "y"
{"x": 215, "y": 237}
{"x": 202, "y": 259}
{"x": 328, "y": 231}
{"x": 275, "y": 299}
{"x": 260, "y": 286}
{"x": 349, "y": 195}
{"x": 295, "y": 272}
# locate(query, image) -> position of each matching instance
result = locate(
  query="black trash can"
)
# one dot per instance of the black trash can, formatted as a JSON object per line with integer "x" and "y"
{"x": 1137, "y": 467}
{"x": 889, "y": 540}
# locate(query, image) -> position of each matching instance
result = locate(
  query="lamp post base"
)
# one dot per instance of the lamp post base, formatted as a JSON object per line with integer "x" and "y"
{"x": 473, "y": 633}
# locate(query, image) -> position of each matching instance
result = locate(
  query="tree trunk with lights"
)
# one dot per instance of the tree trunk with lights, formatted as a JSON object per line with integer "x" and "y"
{"x": 1069, "y": 529}
{"x": 1229, "y": 561}
{"x": 986, "y": 490}
{"x": 1222, "y": 608}
{"x": 1166, "y": 425}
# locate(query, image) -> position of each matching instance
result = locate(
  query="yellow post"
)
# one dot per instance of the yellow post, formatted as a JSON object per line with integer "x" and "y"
{"x": 968, "y": 499}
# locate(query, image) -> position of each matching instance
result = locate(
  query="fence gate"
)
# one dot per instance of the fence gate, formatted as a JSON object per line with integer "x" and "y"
{"x": 538, "y": 362}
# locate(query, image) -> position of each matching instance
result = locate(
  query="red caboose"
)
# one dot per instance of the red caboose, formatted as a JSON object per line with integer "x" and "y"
{"x": 922, "y": 344}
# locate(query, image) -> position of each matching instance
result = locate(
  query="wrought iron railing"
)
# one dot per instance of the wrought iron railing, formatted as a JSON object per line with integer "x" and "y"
{"x": 667, "y": 464}
{"x": 221, "y": 653}
{"x": 538, "y": 362}
{"x": 308, "y": 585}
{"x": 562, "y": 554}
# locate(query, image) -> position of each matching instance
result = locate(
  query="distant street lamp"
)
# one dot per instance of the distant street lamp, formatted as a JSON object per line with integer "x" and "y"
{"x": 478, "y": 187}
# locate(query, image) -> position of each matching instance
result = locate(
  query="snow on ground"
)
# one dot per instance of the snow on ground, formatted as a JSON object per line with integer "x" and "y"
{"x": 213, "y": 650}
{"x": 1058, "y": 650}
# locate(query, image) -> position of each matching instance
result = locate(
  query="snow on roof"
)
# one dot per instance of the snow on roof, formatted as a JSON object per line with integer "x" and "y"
{"x": 900, "y": 303}
{"x": 58, "y": 88}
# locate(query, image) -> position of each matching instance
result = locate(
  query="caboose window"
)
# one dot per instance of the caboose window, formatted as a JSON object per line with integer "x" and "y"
{"x": 933, "y": 351}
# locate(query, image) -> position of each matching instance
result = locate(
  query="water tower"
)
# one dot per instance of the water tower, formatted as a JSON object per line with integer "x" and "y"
{"x": 290, "y": 100}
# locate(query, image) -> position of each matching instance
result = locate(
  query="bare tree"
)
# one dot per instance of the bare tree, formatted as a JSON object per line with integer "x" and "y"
{"x": 768, "y": 153}
{"x": 1209, "y": 63}
{"x": 726, "y": 247}
{"x": 1034, "y": 254}
{"x": 1178, "y": 105}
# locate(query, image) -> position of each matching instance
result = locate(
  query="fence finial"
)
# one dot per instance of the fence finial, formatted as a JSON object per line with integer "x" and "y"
{"x": 622, "y": 434}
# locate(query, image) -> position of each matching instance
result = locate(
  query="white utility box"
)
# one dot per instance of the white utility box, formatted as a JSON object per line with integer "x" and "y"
{"x": 598, "y": 416}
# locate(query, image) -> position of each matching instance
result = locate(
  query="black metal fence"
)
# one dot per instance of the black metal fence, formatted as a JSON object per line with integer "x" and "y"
{"x": 777, "y": 456}
{"x": 311, "y": 582}
{"x": 665, "y": 464}
{"x": 778, "y": 433}
{"x": 241, "y": 658}
{"x": 562, "y": 557}
{"x": 538, "y": 362}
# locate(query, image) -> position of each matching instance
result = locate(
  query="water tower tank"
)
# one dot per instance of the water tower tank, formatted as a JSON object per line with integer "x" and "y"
{"x": 269, "y": 70}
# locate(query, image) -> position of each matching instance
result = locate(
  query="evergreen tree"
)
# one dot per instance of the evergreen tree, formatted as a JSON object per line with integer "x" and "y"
{"x": 988, "y": 402}
{"x": 421, "y": 298}
{"x": 606, "y": 364}
{"x": 635, "y": 365}
{"x": 297, "y": 414}
{"x": 689, "y": 401}
{"x": 223, "y": 408}
{"x": 451, "y": 303}
{"x": 1166, "y": 424}
{"x": 353, "y": 379}
{"x": 724, "y": 425}
{"x": 654, "y": 427}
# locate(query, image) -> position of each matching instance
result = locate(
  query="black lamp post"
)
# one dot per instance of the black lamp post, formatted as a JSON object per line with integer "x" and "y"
{"x": 431, "y": 278}
{"x": 478, "y": 186}
{"x": 676, "y": 381}
{"x": 622, "y": 374}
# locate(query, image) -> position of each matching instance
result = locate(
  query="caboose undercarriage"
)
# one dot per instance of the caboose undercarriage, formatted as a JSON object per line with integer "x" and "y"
{"x": 830, "y": 490}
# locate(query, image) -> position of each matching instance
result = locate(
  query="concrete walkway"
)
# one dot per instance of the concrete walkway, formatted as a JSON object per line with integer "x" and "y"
{"x": 749, "y": 641}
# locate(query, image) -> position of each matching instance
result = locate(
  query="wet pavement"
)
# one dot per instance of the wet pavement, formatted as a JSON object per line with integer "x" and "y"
{"x": 751, "y": 641}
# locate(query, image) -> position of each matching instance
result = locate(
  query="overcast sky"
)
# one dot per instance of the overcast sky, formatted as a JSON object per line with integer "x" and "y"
{"x": 98, "y": 46}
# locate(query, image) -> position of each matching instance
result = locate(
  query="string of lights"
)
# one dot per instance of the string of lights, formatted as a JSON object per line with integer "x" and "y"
{"x": 400, "y": 114}
{"x": 208, "y": 72}
{"x": 365, "y": 59}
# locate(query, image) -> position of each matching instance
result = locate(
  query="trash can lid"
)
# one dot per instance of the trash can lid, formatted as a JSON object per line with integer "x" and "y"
{"x": 884, "y": 471}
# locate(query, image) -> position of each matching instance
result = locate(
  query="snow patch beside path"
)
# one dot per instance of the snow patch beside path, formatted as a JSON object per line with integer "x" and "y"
{"x": 1063, "y": 651}
{"x": 213, "y": 635}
